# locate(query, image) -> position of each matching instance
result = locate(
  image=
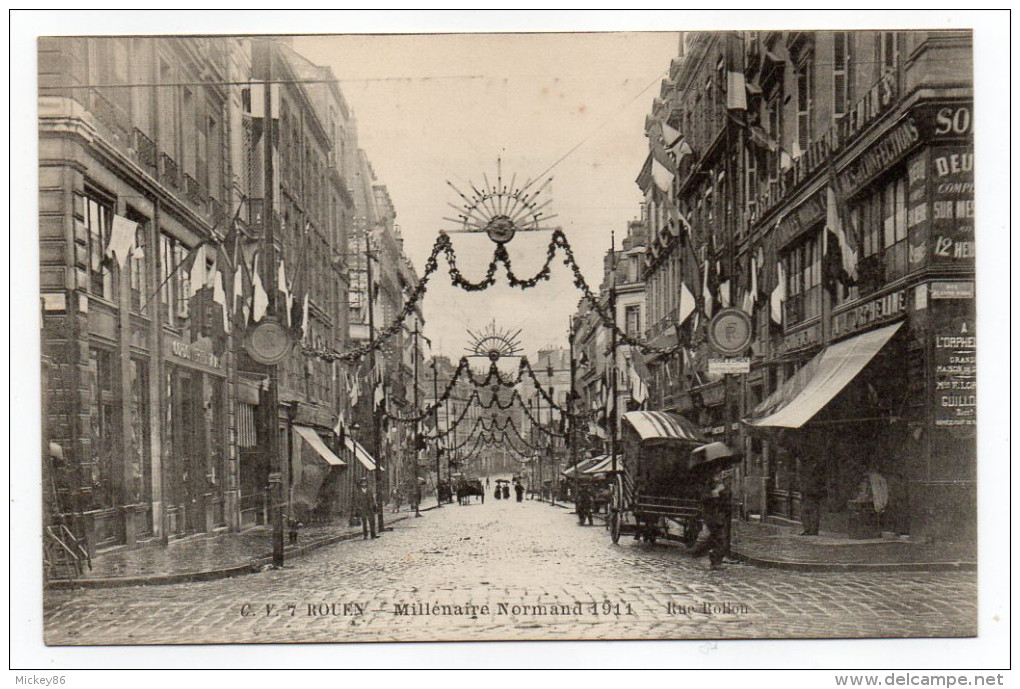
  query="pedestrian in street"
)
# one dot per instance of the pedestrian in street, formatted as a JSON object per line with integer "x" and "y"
{"x": 519, "y": 489}
{"x": 717, "y": 507}
{"x": 365, "y": 507}
{"x": 416, "y": 498}
{"x": 486, "y": 483}
{"x": 585, "y": 504}
{"x": 398, "y": 498}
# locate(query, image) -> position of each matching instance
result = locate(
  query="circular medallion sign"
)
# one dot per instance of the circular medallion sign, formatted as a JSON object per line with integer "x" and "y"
{"x": 501, "y": 229}
{"x": 268, "y": 342}
{"x": 729, "y": 331}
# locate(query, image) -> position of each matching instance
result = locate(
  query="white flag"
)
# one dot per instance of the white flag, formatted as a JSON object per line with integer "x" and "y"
{"x": 122, "y": 239}
{"x": 778, "y": 295}
{"x": 260, "y": 300}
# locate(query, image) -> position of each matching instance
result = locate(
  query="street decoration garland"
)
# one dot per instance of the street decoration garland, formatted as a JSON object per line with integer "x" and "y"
{"x": 443, "y": 245}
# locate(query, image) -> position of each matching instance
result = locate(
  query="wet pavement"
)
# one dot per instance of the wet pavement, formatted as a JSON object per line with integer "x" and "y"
{"x": 507, "y": 570}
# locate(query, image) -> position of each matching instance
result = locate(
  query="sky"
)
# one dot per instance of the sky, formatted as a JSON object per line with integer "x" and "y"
{"x": 437, "y": 108}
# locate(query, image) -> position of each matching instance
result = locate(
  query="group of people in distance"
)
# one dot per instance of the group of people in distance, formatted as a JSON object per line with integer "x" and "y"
{"x": 502, "y": 489}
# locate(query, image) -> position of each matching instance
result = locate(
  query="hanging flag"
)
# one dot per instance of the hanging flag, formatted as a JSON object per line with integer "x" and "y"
{"x": 304, "y": 319}
{"x": 354, "y": 389}
{"x": 706, "y": 291}
{"x": 283, "y": 287}
{"x": 638, "y": 389}
{"x": 193, "y": 266}
{"x": 219, "y": 295}
{"x": 724, "y": 293}
{"x": 681, "y": 149}
{"x": 662, "y": 175}
{"x": 260, "y": 300}
{"x": 778, "y": 295}
{"x": 843, "y": 230}
{"x": 122, "y": 239}
{"x": 736, "y": 86}
{"x": 687, "y": 304}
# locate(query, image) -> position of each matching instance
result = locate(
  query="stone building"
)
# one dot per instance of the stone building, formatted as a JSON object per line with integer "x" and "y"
{"x": 822, "y": 182}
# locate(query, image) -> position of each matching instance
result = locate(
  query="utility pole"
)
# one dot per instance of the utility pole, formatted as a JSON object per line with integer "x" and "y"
{"x": 376, "y": 439}
{"x": 416, "y": 440}
{"x": 272, "y": 397}
{"x": 570, "y": 406}
{"x": 446, "y": 412}
{"x": 612, "y": 348}
{"x": 435, "y": 420}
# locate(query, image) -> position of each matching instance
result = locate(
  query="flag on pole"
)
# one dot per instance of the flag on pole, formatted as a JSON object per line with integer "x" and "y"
{"x": 706, "y": 291}
{"x": 122, "y": 239}
{"x": 638, "y": 389}
{"x": 194, "y": 265}
{"x": 778, "y": 295}
{"x": 260, "y": 300}
{"x": 687, "y": 304}
{"x": 736, "y": 86}
{"x": 662, "y": 175}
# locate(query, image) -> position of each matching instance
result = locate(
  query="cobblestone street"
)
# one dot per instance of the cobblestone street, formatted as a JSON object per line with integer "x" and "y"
{"x": 507, "y": 570}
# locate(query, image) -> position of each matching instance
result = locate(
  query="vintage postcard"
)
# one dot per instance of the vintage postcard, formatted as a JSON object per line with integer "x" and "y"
{"x": 616, "y": 335}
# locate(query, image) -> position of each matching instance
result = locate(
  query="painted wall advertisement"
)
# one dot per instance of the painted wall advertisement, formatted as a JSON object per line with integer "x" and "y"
{"x": 955, "y": 363}
{"x": 952, "y": 206}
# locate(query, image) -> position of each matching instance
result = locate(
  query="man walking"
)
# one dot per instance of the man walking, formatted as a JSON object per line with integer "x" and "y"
{"x": 364, "y": 507}
{"x": 416, "y": 497}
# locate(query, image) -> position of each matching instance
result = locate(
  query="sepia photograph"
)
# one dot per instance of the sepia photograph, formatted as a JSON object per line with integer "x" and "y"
{"x": 503, "y": 336}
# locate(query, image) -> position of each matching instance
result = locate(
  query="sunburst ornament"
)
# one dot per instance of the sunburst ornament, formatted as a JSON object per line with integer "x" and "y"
{"x": 501, "y": 210}
{"x": 494, "y": 343}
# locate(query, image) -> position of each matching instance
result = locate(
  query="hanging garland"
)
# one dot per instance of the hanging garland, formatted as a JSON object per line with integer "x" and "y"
{"x": 443, "y": 245}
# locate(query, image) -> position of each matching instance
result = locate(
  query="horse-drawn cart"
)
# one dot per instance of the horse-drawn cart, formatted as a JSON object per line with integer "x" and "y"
{"x": 661, "y": 477}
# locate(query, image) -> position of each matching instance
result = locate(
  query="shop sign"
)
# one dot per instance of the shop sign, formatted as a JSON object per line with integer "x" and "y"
{"x": 729, "y": 331}
{"x": 917, "y": 210}
{"x": 730, "y": 365}
{"x": 805, "y": 337}
{"x": 885, "y": 308}
{"x": 194, "y": 352}
{"x": 952, "y": 205}
{"x": 879, "y": 157}
{"x": 946, "y": 120}
{"x": 802, "y": 218}
{"x": 875, "y": 102}
{"x": 952, "y": 290}
{"x": 956, "y": 374}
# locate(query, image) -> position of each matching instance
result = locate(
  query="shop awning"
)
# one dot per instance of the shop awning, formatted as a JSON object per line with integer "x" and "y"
{"x": 604, "y": 465}
{"x": 821, "y": 379}
{"x": 311, "y": 463}
{"x": 660, "y": 425}
{"x": 359, "y": 452}
{"x": 309, "y": 436}
{"x": 581, "y": 466}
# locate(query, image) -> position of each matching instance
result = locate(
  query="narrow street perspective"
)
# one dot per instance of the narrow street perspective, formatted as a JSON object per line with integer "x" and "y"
{"x": 594, "y": 335}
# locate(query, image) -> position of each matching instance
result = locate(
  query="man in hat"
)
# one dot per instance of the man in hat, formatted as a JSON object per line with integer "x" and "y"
{"x": 364, "y": 507}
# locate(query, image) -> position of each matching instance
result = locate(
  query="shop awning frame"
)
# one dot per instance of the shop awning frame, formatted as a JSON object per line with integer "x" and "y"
{"x": 660, "y": 425}
{"x": 309, "y": 436}
{"x": 801, "y": 397}
{"x": 360, "y": 453}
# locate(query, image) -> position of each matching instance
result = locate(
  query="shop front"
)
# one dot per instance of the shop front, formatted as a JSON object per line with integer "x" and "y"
{"x": 195, "y": 445}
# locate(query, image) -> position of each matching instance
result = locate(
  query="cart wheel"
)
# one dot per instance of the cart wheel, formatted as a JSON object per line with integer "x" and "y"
{"x": 615, "y": 518}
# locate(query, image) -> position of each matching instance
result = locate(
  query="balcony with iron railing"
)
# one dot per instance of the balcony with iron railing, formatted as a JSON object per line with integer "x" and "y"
{"x": 145, "y": 151}
{"x": 169, "y": 172}
{"x": 193, "y": 191}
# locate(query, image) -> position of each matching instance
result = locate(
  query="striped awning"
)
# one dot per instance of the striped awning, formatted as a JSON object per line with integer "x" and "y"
{"x": 581, "y": 466}
{"x": 660, "y": 425}
{"x": 604, "y": 465}
{"x": 362, "y": 455}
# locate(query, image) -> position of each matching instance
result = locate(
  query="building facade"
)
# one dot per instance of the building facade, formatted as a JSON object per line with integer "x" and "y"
{"x": 152, "y": 187}
{"x": 822, "y": 182}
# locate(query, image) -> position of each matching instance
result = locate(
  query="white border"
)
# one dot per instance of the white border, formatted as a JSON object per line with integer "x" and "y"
{"x": 992, "y": 59}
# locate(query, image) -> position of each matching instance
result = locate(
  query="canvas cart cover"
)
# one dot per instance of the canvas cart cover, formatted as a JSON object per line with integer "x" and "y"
{"x": 813, "y": 386}
{"x": 660, "y": 425}
{"x": 312, "y": 462}
{"x": 604, "y": 465}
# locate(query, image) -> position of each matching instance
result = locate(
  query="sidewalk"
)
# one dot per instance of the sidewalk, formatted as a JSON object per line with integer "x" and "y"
{"x": 208, "y": 556}
{"x": 781, "y": 546}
